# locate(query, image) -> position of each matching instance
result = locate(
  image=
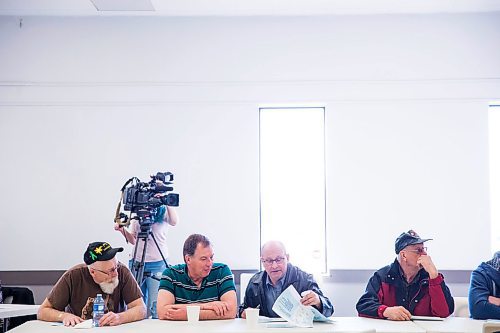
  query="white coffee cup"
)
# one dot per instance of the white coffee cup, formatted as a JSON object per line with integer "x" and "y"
{"x": 193, "y": 313}
{"x": 252, "y": 317}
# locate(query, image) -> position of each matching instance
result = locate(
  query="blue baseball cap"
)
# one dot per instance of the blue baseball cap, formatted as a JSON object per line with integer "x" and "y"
{"x": 408, "y": 238}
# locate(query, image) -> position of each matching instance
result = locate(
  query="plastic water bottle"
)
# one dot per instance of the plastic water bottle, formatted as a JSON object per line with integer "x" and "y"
{"x": 98, "y": 310}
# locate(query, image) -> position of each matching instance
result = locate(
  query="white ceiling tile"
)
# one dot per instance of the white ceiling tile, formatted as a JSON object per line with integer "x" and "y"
{"x": 241, "y": 7}
{"x": 123, "y": 5}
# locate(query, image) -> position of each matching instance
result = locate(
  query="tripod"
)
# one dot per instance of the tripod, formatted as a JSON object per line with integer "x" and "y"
{"x": 137, "y": 266}
{"x": 138, "y": 263}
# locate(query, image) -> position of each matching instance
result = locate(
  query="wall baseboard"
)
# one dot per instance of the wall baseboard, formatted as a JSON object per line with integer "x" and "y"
{"x": 47, "y": 278}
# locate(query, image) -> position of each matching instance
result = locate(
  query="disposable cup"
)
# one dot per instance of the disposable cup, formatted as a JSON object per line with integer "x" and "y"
{"x": 193, "y": 313}
{"x": 252, "y": 317}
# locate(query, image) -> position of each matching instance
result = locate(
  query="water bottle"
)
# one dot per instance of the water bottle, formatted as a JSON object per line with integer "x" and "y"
{"x": 98, "y": 310}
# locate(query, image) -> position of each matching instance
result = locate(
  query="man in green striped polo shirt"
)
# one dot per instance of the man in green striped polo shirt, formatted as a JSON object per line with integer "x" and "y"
{"x": 199, "y": 281}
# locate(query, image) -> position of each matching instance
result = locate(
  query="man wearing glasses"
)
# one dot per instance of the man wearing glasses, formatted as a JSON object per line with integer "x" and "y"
{"x": 411, "y": 285}
{"x": 265, "y": 287}
{"x": 71, "y": 300}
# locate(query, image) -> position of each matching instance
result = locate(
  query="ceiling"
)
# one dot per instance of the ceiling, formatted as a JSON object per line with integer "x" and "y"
{"x": 241, "y": 7}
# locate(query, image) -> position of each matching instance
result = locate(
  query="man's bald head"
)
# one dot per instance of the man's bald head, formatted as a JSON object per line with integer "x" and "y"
{"x": 274, "y": 245}
{"x": 275, "y": 259}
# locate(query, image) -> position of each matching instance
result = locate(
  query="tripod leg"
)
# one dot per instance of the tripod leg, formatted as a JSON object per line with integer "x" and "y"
{"x": 140, "y": 268}
{"x": 140, "y": 276}
{"x": 133, "y": 265}
{"x": 154, "y": 312}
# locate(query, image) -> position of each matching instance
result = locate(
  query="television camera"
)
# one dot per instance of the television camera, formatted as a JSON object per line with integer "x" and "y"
{"x": 144, "y": 201}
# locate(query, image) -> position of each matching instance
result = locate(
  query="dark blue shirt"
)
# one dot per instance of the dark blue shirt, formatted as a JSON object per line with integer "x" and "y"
{"x": 273, "y": 292}
{"x": 259, "y": 289}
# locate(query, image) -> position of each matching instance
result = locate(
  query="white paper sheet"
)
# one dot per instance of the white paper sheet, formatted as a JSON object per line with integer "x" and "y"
{"x": 288, "y": 307}
{"x": 426, "y": 318}
{"x": 84, "y": 324}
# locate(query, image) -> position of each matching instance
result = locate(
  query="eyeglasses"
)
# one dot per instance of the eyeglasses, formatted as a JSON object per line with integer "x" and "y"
{"x": 109, "y": 272}
{"x": 278, "y": 261}
{"x": 419, "y": 250}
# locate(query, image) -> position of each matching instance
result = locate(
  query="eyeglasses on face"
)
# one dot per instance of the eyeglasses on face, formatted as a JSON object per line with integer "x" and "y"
{"x": 110, "y": 271}
{"x": 278, "y": 261}
{"x": 419, "y": 250}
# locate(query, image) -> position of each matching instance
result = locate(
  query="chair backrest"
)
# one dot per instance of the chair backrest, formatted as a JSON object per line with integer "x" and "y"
{"x": 18, "y": 295}
{"x": 461, "y": 307}
{"x": 244, "y": 279}
{"x": 491, "y": 326}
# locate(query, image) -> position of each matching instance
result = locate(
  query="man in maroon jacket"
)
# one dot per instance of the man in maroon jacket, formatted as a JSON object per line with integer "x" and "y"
{"x": 411, "y": 285}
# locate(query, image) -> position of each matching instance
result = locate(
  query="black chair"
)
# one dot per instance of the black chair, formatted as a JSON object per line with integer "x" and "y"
{"x": 20, "y": 295}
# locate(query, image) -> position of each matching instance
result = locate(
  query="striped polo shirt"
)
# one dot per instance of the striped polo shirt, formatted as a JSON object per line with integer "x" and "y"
{"x": 176, "y": 280}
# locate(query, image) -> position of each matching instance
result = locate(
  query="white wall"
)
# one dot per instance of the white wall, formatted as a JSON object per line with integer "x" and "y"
{"x": 66, "y": 167}
{"x": 402, "y": 165}
{"x": 86, "y": 103}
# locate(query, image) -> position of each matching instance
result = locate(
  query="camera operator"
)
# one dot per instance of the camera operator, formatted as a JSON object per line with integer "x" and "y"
{"x": 153, "y": 263}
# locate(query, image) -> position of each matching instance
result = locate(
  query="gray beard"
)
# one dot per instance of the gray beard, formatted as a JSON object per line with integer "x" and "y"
{"x": 109, "y": 287}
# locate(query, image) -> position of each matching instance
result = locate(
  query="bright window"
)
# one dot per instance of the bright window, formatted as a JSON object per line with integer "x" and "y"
{"x": 494, "y": 131}
{"x": 292, "y": 183}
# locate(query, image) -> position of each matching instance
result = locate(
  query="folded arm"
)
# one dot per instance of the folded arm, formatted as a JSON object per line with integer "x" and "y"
{"x": 482, "y": 304}
{"x": 136, "y": 310}
{"x": 223, "y": 309}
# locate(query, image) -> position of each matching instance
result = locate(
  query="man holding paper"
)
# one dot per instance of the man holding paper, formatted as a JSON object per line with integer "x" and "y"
{"x": 266, "y": 286}
{"x": 411, "y": 285}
